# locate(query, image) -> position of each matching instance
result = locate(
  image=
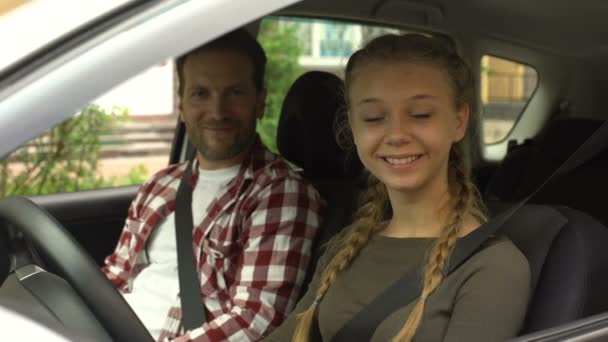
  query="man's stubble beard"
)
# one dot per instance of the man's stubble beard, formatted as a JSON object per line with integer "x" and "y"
{"x": 241, "y": 141}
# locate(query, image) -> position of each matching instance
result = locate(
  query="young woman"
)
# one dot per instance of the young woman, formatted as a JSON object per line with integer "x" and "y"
{"x": 409, "y": 102}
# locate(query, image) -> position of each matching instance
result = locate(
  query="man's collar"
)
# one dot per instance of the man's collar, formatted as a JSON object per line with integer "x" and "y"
{"x": 258, "y": 157}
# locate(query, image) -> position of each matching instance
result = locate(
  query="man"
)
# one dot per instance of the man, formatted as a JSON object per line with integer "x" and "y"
{"x": 254, "y": 218}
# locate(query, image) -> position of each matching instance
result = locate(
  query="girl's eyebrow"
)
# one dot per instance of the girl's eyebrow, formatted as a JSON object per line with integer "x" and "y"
{"x": 422, "y": 97}
{"x": 414, "y": 97}
{"x": 368, "y": 100}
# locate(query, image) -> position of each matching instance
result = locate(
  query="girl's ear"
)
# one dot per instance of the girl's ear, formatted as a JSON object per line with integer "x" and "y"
{"x": 462, "y": 121}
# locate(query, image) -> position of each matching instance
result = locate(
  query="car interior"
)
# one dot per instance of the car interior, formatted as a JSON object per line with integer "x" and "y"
{"x": 562, "y": 228}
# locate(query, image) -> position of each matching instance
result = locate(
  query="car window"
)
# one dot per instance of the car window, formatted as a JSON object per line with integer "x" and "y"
{"x": 506, "y": 88}
{"x": 297, "y": 45}
{"x": 52, "y": 20}
{"x": 119, "y": 139}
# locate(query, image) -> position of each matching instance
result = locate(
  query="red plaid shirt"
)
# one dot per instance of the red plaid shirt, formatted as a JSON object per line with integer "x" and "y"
{"x": 252, "y": 247}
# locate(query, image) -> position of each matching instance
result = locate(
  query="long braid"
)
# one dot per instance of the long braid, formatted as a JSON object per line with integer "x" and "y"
{"x": 460, "y": 176}
{"x": 465, "y": 201}
{"x": 367, "y": 223}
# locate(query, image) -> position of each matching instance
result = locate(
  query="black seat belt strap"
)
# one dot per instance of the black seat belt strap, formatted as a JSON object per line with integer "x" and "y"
{"x": 407, "y": 288}
{"x": 193, "y": 309}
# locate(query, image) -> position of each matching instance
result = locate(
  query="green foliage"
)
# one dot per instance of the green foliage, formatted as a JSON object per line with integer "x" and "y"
{"x": 65, "y": 158}
{"x": 137, "y": 175}
{"x": 280, "y": 41}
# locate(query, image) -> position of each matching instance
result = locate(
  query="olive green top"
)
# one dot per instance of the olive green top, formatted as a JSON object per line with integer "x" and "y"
{"x": 485, "y": 299}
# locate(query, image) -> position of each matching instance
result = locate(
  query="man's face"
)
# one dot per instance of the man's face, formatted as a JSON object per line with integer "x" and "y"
{"x": 220, "y": 105}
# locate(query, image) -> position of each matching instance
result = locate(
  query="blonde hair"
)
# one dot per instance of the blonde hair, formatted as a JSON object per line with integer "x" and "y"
{"x": 464, "y": 197}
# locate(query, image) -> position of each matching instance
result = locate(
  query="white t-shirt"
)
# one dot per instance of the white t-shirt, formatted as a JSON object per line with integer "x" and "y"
{"x": 156, "y": 287}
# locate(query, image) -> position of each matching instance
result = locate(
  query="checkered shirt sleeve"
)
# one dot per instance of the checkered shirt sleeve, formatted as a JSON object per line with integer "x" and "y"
{"x": 126, "y": 261}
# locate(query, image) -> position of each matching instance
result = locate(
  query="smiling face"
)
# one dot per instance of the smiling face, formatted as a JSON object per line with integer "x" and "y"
{"x": 220, "y": 105}
{"x": 404, "y": 120}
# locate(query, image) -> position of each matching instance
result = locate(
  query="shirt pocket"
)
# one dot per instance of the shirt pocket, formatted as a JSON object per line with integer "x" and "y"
{"x": 217, "y": 266}
{"x": 217, "y": 251}
{"x": 221, "y": 243}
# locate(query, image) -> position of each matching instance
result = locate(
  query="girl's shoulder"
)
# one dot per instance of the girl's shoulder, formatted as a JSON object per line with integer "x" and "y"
{"x": 502, "y": 255}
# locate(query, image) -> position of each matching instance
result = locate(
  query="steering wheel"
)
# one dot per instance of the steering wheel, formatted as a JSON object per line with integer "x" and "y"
{"x": 75, "y": 266}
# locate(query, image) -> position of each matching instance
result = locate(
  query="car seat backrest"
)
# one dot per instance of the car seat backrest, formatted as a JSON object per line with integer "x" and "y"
{"x": 568, "y": 262}
{"x": 306, "y": 137}
{"x": 306, "y": 133}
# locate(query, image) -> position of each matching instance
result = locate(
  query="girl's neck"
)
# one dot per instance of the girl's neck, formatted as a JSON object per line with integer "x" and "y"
{"x": 420, "y": 213}
{"x": 424, "y": 218}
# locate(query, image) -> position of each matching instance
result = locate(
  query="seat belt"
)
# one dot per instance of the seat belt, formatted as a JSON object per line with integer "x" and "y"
{"x": 409, "y": 287}
{"x": 193, "y": 309}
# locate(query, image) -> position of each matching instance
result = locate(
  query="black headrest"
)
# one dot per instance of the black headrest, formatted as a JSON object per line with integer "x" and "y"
{"x": 562, "y": 137}
{"x": 306, "y": 135}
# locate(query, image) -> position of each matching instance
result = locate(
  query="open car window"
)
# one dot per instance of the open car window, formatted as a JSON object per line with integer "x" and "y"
{"x": 118, "y": 139}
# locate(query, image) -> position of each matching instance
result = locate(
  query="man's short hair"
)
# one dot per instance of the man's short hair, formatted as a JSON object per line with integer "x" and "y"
{"x": 239, "y": 40}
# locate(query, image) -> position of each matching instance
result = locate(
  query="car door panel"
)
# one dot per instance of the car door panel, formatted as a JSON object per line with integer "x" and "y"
{"x": 95, "y": 218}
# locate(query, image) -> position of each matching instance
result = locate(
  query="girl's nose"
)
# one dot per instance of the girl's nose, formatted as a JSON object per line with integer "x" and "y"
{"x": 398, "y": 132}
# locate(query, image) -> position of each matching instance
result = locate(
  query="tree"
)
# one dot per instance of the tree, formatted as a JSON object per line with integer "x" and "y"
{"x": 65, "y": 158}
{"x": 280, "y": 41}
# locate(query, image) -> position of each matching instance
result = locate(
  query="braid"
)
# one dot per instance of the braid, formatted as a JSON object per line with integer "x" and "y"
{"x": 367, "y": 223}
{"x": 465, "y": 201}
{"x": 460, "y": 177}
{"x": 433, "y": 274}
